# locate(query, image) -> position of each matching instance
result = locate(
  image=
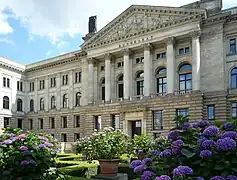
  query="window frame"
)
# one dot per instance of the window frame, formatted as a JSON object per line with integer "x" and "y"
{"x": 6, "y": 102}
{"x": 157, "y": 112}
{"x": 211, "y": 106}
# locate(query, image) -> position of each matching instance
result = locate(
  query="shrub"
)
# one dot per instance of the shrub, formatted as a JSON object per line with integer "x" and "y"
{"x": 143, "y": 143}
{"x": 26, "y": 155}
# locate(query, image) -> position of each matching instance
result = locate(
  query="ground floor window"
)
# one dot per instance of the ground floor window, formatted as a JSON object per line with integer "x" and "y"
{"x": 6, "y": 122}
{"x": 211, "y": 112}
{"x": 157, "y": 119}
{"x": 234, "y": 110}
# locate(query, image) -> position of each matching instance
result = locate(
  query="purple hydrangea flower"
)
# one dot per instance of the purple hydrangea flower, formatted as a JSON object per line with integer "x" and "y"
{"x": 135, "y": 163}
{"x": 194, "y": 125}
{"x": 23, "y": 148}
{"x": 140, "y": 168}
{"x": 226, "y": 144}
{"x": 174, "y": 135}
{"x": 217, "y": 178}
{"x": 33, "y": 162}
{"x": 42, "y": 146}
{"x": 201, "y": 139}
{"x": 163, "y": 177}
{"x": 182, "y": 170}
{"x": 205, "y": 153}
{"x": 228, "y": 126}
{"x": 208, "y": 144}
{"x": 147, "y": 175}
{"x": 231, "y": 177}
{"x": 230, "y": 134}
{"x": 43, "y": 139}
{"x": 25, "y": 162}
{"x": 203, "y": 123}
{"x": 200, "y": 178}
{"x": 154, "y": 152}
{"x": 211, "y": 131}
{"x": 147, "y": 161}
{"x": 166, "y": 153}
{"x": 48, "y": 144}
{"x": 185, "y": 126}
{"x": 27, "y": 153}
{"x": 7, "y": 142}
{"x": 176, "y": 147}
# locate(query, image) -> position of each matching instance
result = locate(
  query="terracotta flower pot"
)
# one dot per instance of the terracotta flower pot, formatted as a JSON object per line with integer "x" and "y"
{"x": 109, "y": 167}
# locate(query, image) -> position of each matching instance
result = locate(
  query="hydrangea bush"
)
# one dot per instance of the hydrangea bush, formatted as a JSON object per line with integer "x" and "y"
{"x": 195, "y": 151}
{"x": 26, "y": 155}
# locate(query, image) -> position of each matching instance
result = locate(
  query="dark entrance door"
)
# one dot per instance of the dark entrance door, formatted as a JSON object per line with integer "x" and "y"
{"x": 136, "y": 128}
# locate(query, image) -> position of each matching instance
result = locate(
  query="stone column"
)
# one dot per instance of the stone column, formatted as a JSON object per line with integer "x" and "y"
{"x": 58, "y": 96}
{"x": 46, "y": 99}
{"x": 171, "y": 64}
{"x": 147, "y": 70}
{"x": 107, "y": 77}
{"x": 36, "y": 89}
{"x": 71, "y": 91}
{"x": 196, "y": 60}
{"x": 90, "y": 80}
{"x": 126, "y": 74}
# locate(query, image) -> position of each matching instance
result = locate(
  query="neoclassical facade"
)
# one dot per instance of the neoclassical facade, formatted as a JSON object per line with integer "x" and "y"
{"x": 136, "y": 74}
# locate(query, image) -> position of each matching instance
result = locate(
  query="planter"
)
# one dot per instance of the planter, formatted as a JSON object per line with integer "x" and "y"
{"x": 109, "y": 167}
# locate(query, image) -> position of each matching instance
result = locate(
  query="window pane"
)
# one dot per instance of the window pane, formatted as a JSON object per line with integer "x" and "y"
{"x": 185, "y": 67}
{"x": 165, "y": 88}
{"x": 160, "y": 80}
{"x": 211, "y": 112}
{"x": 188, "y": 76}
{"x": 187, "y": 50}
{"x": 233, "y": 81}
{"x": 181, "y": 51}
{"x": 164, "y": 80}
{"x": 160, "y": 88}
{"x": 189, "y": 84}
{"x": 181, "y": 77}
{"x": 234, "y": 105}
{"x": 182, "y": 85}
{"x": 157, "y": 120}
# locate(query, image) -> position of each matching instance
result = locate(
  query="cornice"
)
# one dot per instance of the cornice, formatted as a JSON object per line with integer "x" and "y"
{"x": 12, "y": 67}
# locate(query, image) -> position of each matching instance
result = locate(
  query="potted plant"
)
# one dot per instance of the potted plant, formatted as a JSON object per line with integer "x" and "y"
{"x": 107, "y": 146}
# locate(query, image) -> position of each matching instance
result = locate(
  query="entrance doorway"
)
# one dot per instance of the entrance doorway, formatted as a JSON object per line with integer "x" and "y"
{"x": 136, "y": 128}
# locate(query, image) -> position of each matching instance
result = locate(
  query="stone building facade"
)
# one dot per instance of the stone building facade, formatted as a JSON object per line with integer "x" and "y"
{"x": 147, "y": 65}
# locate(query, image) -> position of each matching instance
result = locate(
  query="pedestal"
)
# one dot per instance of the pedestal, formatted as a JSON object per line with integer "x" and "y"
{"x": 119, "y": 176}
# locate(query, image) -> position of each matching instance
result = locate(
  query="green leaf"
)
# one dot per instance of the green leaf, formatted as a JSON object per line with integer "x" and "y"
{"x": 234, "y": 169}
{"x": 187, "y": 153}
{"x": 219, "y": 167}
{"x": 234, "y": 160}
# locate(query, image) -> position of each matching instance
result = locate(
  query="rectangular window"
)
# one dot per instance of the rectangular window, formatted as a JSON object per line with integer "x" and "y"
{"x": 103, "y": 93}
{"x": 76, "y": 136}
{"x": 30, "y": 124}
{"x": 65, "y": 79}
{"x": 19, "y": 123}
{"x": 211, "y": 112}
{"x": 53, "y": 82}
{"x": 41, "y": 84}
{"x": 32, "y": 86}
{"x": 158, "y": 56}
{"x": 181, "y": 51}
{"x": 8, "y": 82}
{"x": 187, "y": 50}
{"x": 52, "y": 122}
{"x": 76, "y": 121}
{"x": 232, "y": 46}
{"x": 6, "y": 122}
{"x": 157, "y": 117}
{"x": 163, "y": 55}
{"x": 137, "y": 60}
{"x": 115, "y": 120}
{"x": 21, "y": 86}
{"x": 142, "y": 59}
{"x": 102, "y": 68}
{"x": 234, "y": 110}
{"x": 97, "y": 122}
{"x": 41, "y": 123}
{"x": 77, "y": 77}
{"x": 64, "y": 138}
{"x": 18, "y": 86}
{"x": 4, "y": 82}
{"x": 64, "y": 122}
{"x": 183, "y": 112}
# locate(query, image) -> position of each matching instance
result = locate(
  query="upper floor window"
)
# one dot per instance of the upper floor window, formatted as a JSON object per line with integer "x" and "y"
{"x": 53, "y": 82}
{"x": 102, "y": 68}
{"x": 53, "y": 102}
{"x": 19, "y": 86}
{"x": 120, "y": 64}
{"x": 65, "y": 79}
{"x": 120, "y": 86}
{"x": 185, "y": 77}
{"x": 139, "y": 60}
{"x": 77, "y": 77}
{"x": 78, "y": 98}
{"x": 157, "y": 117}
{"x": 234, "y": 78}
{"x": 41, "y": 103}
{"x": 185, "y": 50}
{"x": 161, "y": 80}
{"x": 32, "y": 86}
{"x": 232, "y": 46}
{"x": 102, "y": 84}
{"x": 161, "y": 55}
{"x": 31, "y": 105}
{"x": 6, "y": 102}
{"x": 140, "y": 83}
{"x": 6, "y": 82}
{"x": 41, "y": 84}
{"x": 19, "y": 104}
{"x": 65, "y": 101}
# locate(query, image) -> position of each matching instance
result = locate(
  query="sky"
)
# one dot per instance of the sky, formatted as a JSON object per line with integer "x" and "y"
{"x": 34, "y": 30}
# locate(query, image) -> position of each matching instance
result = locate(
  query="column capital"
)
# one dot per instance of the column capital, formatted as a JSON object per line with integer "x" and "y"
{"x": 170, "y": 40}
{"x": 107, "y": 56}
{"x": 91, "y": 60}
{"x": 127, "y": 51}
{"x": 147, "y": 46}
{"x": 195, "y": 34}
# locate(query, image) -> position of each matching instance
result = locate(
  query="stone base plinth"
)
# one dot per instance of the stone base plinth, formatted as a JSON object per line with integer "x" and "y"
{"x": 119, "y": 176}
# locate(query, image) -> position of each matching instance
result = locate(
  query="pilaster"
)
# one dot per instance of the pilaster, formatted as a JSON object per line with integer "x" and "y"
{"x": 58, "y": 97}
{"x": 91, "y": 80}
{"x": 127, "y": 73}
{"x": 46, "y": 98}
{"x": 36, "y": 84}
{"x": 107, "y": 77}
{"x": 70, "y": 91}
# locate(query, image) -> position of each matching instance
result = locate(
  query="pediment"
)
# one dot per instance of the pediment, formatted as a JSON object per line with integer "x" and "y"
{"x": 138, "y": 19}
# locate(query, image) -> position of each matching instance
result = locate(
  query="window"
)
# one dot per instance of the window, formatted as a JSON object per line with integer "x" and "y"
{"x": 157, "y": 118}
{"x": 19, "y": 123}
{"x": 77, "y": 77}
{"x": 234, "y": 78}
{"x": 5, "y": 102}
{"x": 211, "y": 112}
{"x": 19, "y": 86}
{"x": 183, "y": 112}
{"x": 8, "y": 82}
{"x": 97, "y": 122}
{"x": 41, "y": 123}
{"x": 234, "y": 110}
{"x": 187, "y": 50}
{"x": 139, "y": 60}
{"x": 102, "y": 68}
{"x": 185, "y": 78}
{"x": 64, "y": 138}
{"x": 76, "y": 121}
{"x": 120, "y": 64}
{"x": 6, "y": 122}
{"x": 32, "y": 88}
{"x": 64, "y": 122}
{"x": 41, "y": 104}
{"x": 31, "y": 105}
{"x": 53, "y": 82}
{"x": 65, "y": 79}
{"x": 115, "y": 121}
{"x": 4, "y": 82}
{"x": 161, "y": 80}
{"x": 41, "y": 84}
{"x": 120, "y": 86}
{"x": 78, "y": 99}
{"x": 53, "y": 102}
{"x": 181, "y": 51}
{"x": 140, "y": 83}
{"x": 102, "y": 84}
{"x": 19, "y": 105}
{"x": 30, "y": 124}
{"x": 52, "y": 122}
{"x": 65, "y": 101}
{"x": 76, "y": 136}
{"x": 233, "y": 46}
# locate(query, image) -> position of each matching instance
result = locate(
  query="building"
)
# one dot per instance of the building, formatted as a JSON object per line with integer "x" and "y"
{"x": 144, "y": 67}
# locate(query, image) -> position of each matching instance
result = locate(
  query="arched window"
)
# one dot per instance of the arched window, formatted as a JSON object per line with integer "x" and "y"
{"x": 102, "y": 84}
{"x": 161, "y": 80}
{"x": 185, "y": 77}
{"x": 120, "y": 86}
{"x": 41, "y": 103}
{"x": 5, "y": 102}
{"x": 78, "y": 99}
{"x": 19, "y": 104}
{"x": 140, "y": 83}
{"x": 65, "y": 101}
{"x": 53, "y": 102}
{"x": 234, "y": 78}
{"x": 31, "y": 105}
